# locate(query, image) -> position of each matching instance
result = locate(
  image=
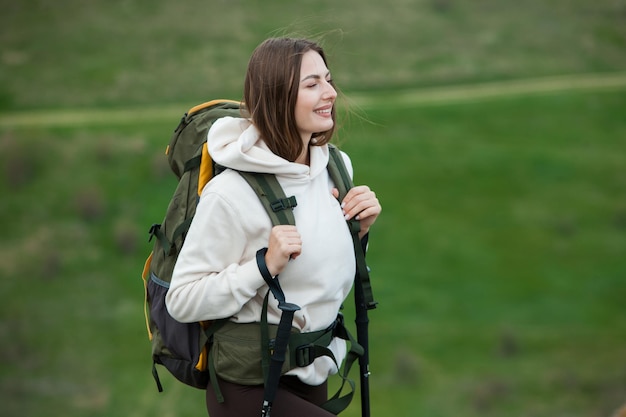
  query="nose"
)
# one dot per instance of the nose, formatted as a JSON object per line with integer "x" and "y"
{"x": 330, "y": 93}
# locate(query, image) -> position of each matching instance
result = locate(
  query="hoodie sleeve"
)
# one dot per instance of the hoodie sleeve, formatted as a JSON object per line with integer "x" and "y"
{"x": 211, "y": 279}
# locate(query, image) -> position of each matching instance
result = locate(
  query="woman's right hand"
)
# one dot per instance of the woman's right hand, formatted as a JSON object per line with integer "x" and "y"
{"x": 284, "y": 244}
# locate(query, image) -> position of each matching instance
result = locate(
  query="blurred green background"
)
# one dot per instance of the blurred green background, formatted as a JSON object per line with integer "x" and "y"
{"x": 493, "y": 132}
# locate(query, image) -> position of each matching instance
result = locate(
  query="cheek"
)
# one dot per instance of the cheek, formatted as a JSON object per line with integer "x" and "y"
{"x": 299, "y": 114}
{"x": 303, "y": 108}
{"x": 306, "y": 100}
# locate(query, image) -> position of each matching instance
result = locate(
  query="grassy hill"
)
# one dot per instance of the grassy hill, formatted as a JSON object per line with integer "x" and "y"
{"x": 74, "y": 53}
{"x": 498, "y": 261}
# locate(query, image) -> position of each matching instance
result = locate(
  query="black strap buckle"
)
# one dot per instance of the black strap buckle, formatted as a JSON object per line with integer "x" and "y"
{"x": 154, "y": 229}
{"x": 305, "y": 355}
{"x": 284, "y": 203}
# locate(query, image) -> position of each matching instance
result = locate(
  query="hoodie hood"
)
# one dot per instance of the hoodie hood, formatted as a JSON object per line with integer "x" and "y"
{"x": 235, "y": 143}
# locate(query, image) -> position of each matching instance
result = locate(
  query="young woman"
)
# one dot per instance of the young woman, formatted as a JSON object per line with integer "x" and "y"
{"x": 290, "y": 98}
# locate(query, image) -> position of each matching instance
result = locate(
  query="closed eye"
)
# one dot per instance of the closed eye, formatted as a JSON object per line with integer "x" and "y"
{"x": 314, "y": 78}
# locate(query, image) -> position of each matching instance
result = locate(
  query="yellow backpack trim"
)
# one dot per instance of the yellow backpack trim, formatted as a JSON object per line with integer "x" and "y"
{"x": 204, "y": 105}
{"x": 206, "y": 169}
{"x": 144, "y": 277}
{"x": 204, "y": 354}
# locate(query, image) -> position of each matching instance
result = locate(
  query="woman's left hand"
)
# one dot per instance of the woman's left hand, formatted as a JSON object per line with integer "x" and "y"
{"x": 362, "y": 204}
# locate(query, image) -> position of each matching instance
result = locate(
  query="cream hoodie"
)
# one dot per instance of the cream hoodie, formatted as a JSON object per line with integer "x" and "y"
{"x": 216, "y": 274}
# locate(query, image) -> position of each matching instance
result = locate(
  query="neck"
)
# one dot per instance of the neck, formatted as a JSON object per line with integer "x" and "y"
{"x": 305, "y": 157}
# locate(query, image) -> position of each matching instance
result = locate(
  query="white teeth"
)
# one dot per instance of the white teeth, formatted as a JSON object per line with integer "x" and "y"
{"x": 323, "y": 111}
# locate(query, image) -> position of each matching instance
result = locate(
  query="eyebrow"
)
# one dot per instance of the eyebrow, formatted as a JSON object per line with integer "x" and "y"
{"x": 314, "y": 76}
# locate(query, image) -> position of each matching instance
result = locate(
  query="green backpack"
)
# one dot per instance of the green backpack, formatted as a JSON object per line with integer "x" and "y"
{"x": 184, "y": 348}
{"x": 180, "y": 347}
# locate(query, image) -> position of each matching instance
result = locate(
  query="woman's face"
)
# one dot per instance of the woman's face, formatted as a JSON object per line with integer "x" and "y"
{"x": 316, "y": 97}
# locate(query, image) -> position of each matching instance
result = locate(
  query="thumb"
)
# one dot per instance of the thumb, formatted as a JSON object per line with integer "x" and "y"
{"x": 335, "y": 192}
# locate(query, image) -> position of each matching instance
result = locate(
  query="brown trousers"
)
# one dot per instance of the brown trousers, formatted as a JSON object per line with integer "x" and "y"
{"x": 293, "y": 399}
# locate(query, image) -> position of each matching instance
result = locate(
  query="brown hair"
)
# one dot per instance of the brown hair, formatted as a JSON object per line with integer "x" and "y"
{"x": 271, "y": 91}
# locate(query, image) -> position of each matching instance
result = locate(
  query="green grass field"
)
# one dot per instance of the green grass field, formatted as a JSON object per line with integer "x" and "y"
{"x": 499, "y": 259}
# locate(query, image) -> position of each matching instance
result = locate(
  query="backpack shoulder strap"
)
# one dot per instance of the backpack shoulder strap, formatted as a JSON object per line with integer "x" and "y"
{"x": 339, "y": 174}
{"x": 272, "y": 196}
{"x": 279, "y": 208}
